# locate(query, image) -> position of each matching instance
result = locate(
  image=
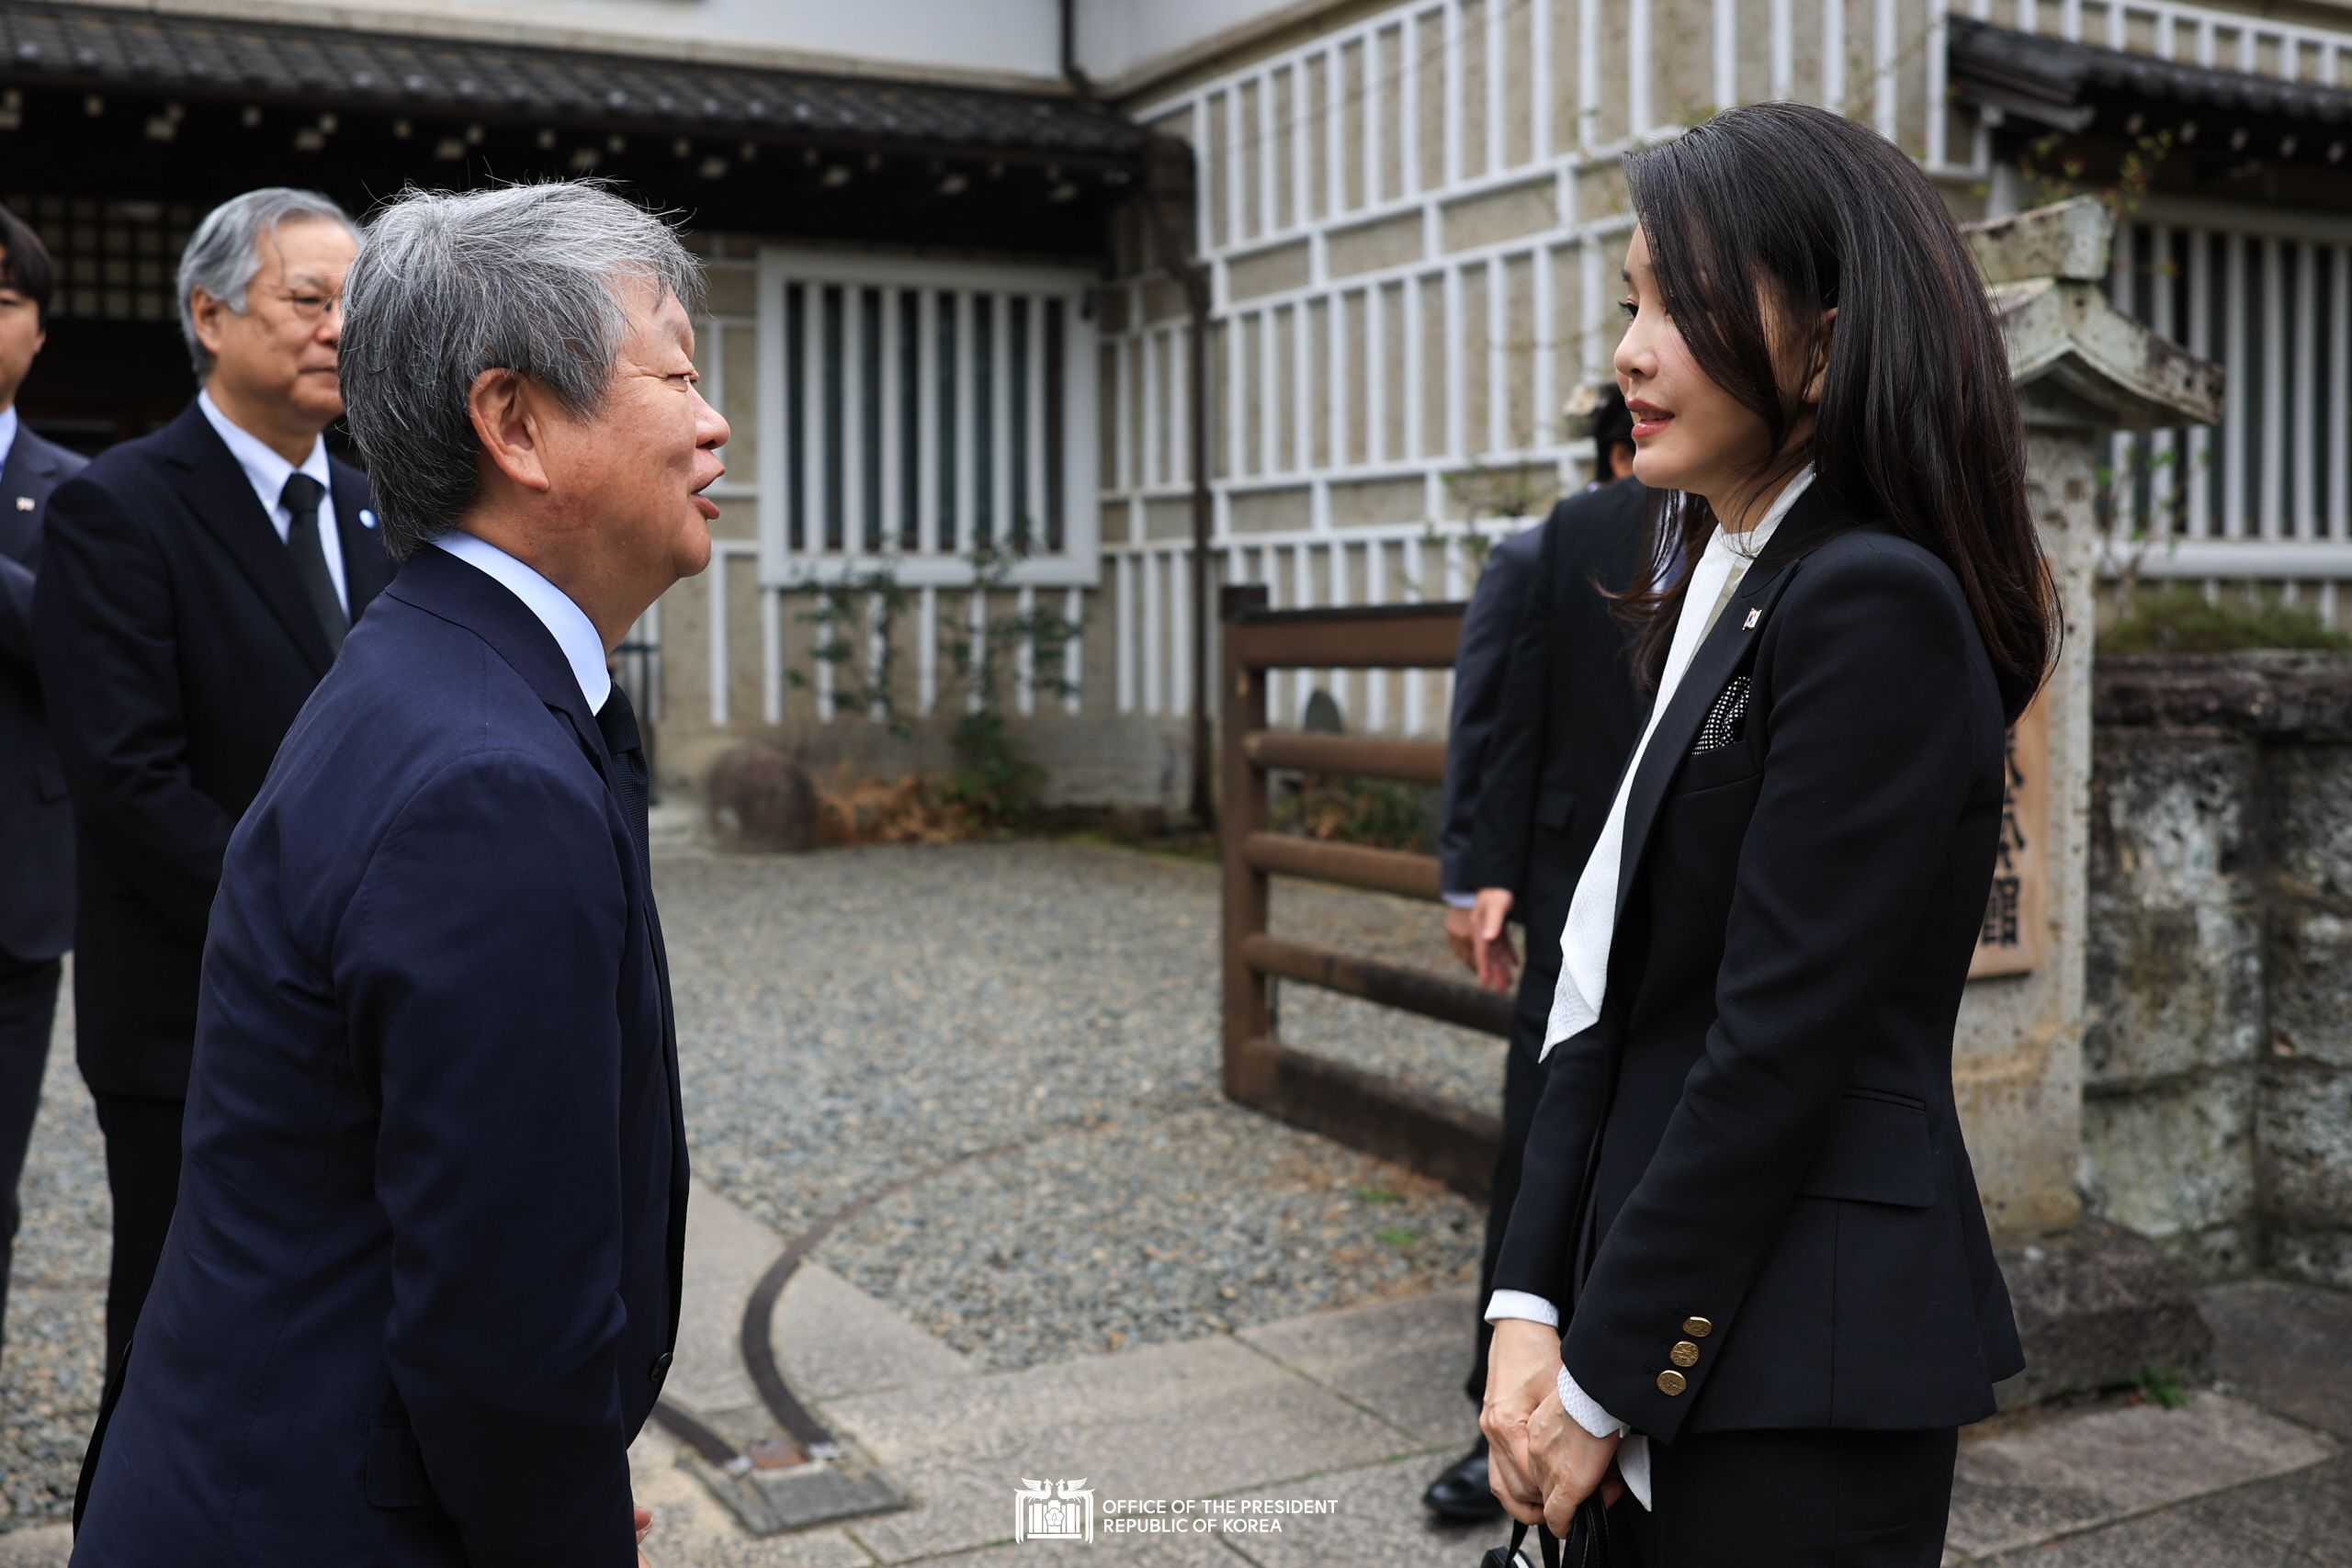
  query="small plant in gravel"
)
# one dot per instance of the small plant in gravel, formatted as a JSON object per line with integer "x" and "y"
{"x": 1398, "y": 1237}
{"x": 1375, "y": 812}
{"x": 2160, "y": 1386}
{"x": 996, "y": 785}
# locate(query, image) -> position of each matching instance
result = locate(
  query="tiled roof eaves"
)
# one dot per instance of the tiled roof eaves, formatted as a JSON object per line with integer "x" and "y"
{"x": 219, "y": 56}
{"x": 2062, "y": 71}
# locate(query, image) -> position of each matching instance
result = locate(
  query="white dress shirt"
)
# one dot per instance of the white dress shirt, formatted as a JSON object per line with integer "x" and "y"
{"x": 1593, "y": 916}
{"x": 267, "y": 473}
{"x": 7, "y": 435}
{"x": 565, "y": 621}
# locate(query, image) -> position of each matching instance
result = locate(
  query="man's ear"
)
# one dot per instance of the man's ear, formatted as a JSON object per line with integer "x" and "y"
{"x": 506, "y": 421}
{"x": 204, "y": 312}
{"x": 1819, "y": 370}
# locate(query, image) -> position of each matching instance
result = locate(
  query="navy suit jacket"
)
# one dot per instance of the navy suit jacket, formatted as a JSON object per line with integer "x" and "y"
{"x": 421, "y": 1287}
{"x": 176, "y": 646}
{"x": 36, "y": 825}
{"x": 1481, "y": 659}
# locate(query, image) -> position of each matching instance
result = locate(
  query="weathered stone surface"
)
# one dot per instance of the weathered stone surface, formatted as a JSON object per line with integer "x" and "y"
{"x": 2169, "y": 817}
{"x": 2273, "y": 693}
{"x": 2095, "y": 1306}
{"x": 761, "y": 799}
{"x": 2311, "y": 985}
{"x": 2175, "y": 990}
{"x": 2303, "y": 1118}
{"x": 2314, "y": 830}
{"x": 2318, "y": 1254}
{"x": 2068, "y": 239}
{"x": 2174, "y": 1158}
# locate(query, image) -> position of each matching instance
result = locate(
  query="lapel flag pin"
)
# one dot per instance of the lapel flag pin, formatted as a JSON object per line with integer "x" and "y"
{"x": 366, "y": 518}
{"x": 24, "y": 504}
{"x": 1747, "y": 626}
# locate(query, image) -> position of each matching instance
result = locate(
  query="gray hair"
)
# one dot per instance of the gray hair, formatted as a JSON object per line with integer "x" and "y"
{"x": 226, "y": 251}
{"x": 447, "y": 285}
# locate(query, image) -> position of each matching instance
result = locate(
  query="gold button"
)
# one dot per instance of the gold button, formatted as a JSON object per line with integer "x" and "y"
{"x": 1684, "y": 1353}
{"x": 1696, "y": 1327}
{"x": 1671, "y": 1382}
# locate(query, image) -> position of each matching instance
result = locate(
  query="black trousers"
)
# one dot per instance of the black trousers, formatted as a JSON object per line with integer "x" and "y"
{"x": 28, "y": 1008}
{"x": 1522, "y": 1087}
{"x": 143, "y": 1171}
{"x": 1797, "y": 1500}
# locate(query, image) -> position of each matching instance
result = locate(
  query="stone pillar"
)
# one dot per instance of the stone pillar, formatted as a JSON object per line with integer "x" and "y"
{"x": 2094, "y": 1302}
{"x": 2017, "y": 1060}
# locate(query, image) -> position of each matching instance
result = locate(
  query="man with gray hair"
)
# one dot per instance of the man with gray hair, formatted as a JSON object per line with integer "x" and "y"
{"x": 422, "y": 1287}
{"x": 196, "y": 586}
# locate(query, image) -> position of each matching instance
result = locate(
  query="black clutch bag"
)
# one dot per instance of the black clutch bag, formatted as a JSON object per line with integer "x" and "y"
{"x": 1588, "y": 1545}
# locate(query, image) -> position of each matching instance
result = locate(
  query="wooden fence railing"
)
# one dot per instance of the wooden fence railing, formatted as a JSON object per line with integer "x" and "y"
{"x": 1451, "y": 1143}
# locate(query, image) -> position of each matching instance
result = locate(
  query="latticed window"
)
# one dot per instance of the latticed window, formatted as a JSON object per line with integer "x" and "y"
{"x": 115, "y": 260}
{"x": 923, "y": 414}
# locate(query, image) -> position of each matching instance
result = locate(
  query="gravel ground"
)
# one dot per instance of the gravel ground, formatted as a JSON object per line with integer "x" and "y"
{"x": 1046, "y": 1013}
{"x": 52, "y": 1369}
{"x": 852, "y": 1019}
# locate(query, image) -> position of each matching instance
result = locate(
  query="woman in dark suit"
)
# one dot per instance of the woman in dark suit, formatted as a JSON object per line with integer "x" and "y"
{"x": 1748, "y": 1276}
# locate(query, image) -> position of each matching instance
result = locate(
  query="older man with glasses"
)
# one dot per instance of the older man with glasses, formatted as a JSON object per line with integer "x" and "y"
{"x": 424, "y": 1285}
{"x": 198, "y": 584}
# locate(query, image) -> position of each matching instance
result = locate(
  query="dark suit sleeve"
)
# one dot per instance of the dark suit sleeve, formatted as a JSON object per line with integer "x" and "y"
{"x": 1513, "y": 761}
{"x": 106, "y": 637}
{"x": 1478, "y": 673}
{"x": 480, "y": 959}
{"x": 1870, "y": 752}
{"x": 16, "y": 615}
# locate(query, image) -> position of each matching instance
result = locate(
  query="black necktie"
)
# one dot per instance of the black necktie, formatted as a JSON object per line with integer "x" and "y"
{"x": 618, "y": 719}
{"x": 300, "y": 498}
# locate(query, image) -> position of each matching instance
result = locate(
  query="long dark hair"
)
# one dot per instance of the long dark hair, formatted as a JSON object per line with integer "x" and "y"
{"x": 1918, "y": 425}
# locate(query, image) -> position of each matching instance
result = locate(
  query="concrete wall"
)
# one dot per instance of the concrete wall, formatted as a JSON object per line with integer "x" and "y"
{"x": 2217, "y": 1111}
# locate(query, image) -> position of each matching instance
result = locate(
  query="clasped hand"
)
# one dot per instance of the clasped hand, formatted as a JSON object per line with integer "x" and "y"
{"x": 1541, "y": 1464}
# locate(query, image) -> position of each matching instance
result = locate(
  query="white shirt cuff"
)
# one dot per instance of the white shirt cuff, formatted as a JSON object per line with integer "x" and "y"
{"x": 1520, "y": 1304}
{"x": 1585, "y": 1411}
{"x": 1456, "y": 901}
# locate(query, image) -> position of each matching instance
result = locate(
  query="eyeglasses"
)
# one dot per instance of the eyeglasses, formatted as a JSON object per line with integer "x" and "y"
{"x": 313, "y": 307}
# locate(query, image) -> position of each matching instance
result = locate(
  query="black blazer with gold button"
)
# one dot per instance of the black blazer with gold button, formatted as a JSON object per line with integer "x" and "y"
{"x": 1745, "y": 1187}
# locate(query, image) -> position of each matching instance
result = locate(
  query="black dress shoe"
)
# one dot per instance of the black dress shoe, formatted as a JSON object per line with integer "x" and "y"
{"x": 1460, "y": 1492}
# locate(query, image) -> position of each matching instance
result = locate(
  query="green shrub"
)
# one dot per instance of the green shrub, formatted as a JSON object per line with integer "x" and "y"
{"x": 2178, "y": 620}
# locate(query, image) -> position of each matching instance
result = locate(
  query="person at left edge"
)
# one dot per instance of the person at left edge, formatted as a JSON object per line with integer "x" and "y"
{"x": 35, "y": 827}
{"x": 198, "y": 583}
{"x": 422, "y": 1286}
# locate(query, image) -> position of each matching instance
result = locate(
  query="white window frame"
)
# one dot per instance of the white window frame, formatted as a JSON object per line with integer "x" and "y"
{"x": 1078, "y": 564}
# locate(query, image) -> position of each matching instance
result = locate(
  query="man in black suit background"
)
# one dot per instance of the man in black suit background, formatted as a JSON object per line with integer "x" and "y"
{"x": 199, "y": 583}
{"x": 35, "y": 826}
{"x": 1543, "y": 719}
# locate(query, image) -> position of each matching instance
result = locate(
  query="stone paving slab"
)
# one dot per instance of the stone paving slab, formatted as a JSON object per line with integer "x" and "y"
{"x": 2297, "y": 1521}
{"x": 45, "y": 1546}
{"x": 2037, "y": 1480}
{"x": 1383, "y": 1357}
{"x": 2287, "y": 1347}
{"x": 1187, "y": 1420}
{"x": 1379, "y": 1523}
{"x": 727, "y": 1251}
{"x": 833, "y": 1340}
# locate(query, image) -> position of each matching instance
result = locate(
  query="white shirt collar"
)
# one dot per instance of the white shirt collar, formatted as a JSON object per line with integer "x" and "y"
{"x": 1751, "y": 543}
{"x": 264, "y": 469}
{"x": 573, "y": 632}
{"x": 8, "y": 435}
